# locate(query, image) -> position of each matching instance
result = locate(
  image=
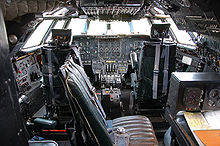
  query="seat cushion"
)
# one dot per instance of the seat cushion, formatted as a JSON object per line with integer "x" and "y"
{"x": 139, "y": 128}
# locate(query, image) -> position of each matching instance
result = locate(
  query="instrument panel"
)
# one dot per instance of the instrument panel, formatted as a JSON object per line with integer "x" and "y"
{"x": 192, "y": 98}
{"x": 194, "y": 91}
{"x": 88, "y": 48}
{"x": 107, "y": 48}
{"x": 108, "y": 56}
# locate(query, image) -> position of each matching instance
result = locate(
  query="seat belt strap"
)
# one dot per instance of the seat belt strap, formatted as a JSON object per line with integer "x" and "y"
{"x": 166, "y": 68}
{"x": 139, "y": 64}
{"x": 76, "y": 51}
{"x": 156, "y": 70}
{"x": 50, "y": 74}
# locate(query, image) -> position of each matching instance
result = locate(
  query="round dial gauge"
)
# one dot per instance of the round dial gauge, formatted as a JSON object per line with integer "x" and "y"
{"x": 214, "y": 93}
{"x": 192, "y": 98}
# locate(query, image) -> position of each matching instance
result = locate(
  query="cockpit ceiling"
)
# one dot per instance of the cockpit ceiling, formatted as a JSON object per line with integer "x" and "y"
{"x": 16, "y": 8}
{"x": 200, "y": 16}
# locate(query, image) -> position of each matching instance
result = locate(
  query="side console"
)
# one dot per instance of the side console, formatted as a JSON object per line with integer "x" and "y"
{"x": 27, "y": 73}
{"x": 28, "y": 77}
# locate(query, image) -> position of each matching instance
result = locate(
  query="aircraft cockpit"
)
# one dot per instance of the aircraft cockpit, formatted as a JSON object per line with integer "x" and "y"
{"x": 107, "y": 72}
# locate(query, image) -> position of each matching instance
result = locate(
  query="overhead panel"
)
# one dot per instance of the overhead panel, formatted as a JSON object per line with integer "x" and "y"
{"x": 111, "y": 7}
{"x": 200, "y": 16}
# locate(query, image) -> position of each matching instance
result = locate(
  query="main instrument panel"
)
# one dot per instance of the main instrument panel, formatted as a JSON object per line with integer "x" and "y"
{"x": 107, "y": 48}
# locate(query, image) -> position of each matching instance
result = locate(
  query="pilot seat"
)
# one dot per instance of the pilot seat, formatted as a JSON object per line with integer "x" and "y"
{"x": 90, "y": 116}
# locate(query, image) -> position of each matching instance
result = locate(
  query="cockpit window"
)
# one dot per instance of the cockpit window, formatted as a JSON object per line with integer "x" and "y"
{"x": 141, "y": 26}
{"x": 181, "y": 35}
{"x": 97, "y": 27}
{"x": 100, "y": 27}
{"x": 77, "y": 25}
{"x": 118, "y": 27}
{"x": 38, "y": 35}
{"x": 59, "y": 25}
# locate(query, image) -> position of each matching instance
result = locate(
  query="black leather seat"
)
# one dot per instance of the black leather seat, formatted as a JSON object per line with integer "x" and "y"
{"x": 83, "y": 97}
{"x": 139, "y": 129}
